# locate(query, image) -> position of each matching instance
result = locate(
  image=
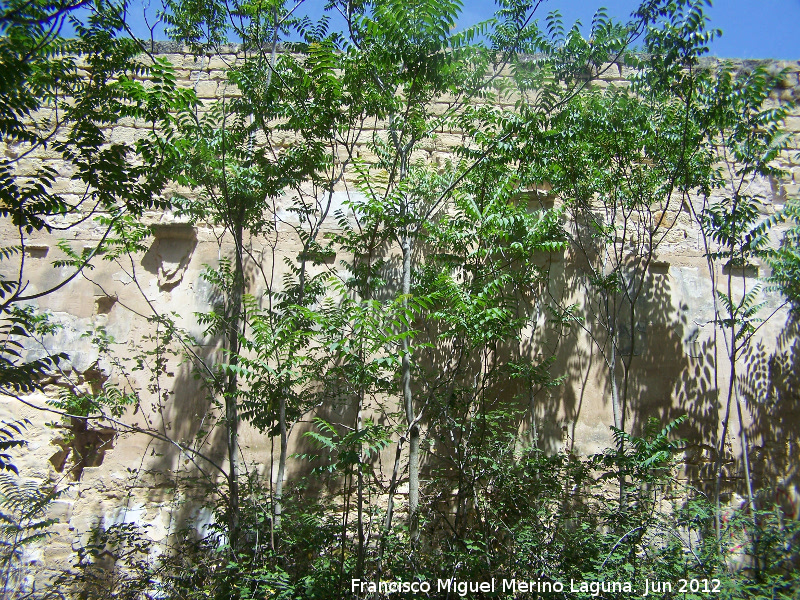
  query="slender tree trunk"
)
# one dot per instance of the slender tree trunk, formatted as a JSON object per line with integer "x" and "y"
{"x": 277, "y": 501}
{"x": 721, "y": 455}
{"x": 534, "y": 432}
{"x": 360, "y": 491}
{"x": 747, "y": 475}
{"x": 413, "y": 483}
{"x": 348, "y": 491}
{"x": 278, "y": 505}
{"x": 611, "y": 363}
{"x": 732, "y": 356}
{"x": 616, "y": 402}
{"x": 619, "y": 421}
{"x": 626, "y": 365}
{"x": 408, "y": 401}
{"x": 719, "y": 442}
{"x": 387, "y": 524}
{"x": 366, "y": 295}
{"x": 742, "y": 432}
{"x": 231, "y": 389}
{"x": 233, "y": 470}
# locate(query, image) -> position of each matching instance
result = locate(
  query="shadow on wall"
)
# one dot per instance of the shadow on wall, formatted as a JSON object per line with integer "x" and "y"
{"x": 647, "y": 343}
{"x": 671, "y": 374}
{"x": 675, "y": 378}
{"x": 469, "y": 395}
{"x": 191, "y": 411}
{"x": 771, "y": 390}
{"x": 162, "y": 480}
{"x": 697, "y": 394}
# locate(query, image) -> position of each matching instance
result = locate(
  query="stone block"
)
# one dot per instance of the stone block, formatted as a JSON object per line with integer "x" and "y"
{"x": 63, "y": 185}
{"x": 376, "y": 125}
{"x": 365, "y": 154}
{"x": 420, "y": 156}
{"x": 124, "y": 135}
{"x": 206, "y": 89}
{"x": 440, "y": 108}
{"x": 195, "y": 62}
{"x": 61, "y": 510}
{"x": 229, "y": 91}
{"x": 448, "y": 141}
{"x": 219, "y": 62}
{"x": 55, "y": 552}
{"x": 27, "y": 167}
{"x": 792, "y": 123}
{"x": 176, "y": 60}
{"x": 42, "y": 153}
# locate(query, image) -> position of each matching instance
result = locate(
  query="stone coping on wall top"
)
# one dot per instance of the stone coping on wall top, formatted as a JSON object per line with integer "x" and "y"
{"x": 173, "y": 47}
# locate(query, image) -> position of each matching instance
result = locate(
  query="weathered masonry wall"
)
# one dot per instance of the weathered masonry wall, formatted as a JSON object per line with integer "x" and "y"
{"x": 136, "y": 478}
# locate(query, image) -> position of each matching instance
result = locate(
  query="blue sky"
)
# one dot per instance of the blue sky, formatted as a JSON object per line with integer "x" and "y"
{"x": 751, "y": 29}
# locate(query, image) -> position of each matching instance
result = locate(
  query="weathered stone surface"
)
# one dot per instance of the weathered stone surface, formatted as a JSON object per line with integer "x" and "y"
{"x": 206, "y": 89}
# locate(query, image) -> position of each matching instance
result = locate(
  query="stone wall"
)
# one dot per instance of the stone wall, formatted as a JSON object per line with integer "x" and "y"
{"x": 129, "y": 477}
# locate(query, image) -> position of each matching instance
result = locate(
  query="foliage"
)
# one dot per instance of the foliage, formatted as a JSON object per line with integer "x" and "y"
{"x": 745, "y": 137}
{"x": 95, "y": 576}
{"x": 50, "y": 110}
{"x": 9, "y": 438}
{"x": 623, "y": 159}
{"x": 23, "y": 525}
{"x": 786, "y": 261}
{"x": 643, "y": 458}
{"x": 428, "y": 345}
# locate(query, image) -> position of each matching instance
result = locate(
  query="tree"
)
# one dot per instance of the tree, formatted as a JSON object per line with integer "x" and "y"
{"x": 62, "y": 167}
{"x": 624, "y": 159}
{"x": 235, "y": 157}
{"x": 786, "y": 262}
{"x": 746, "y": 136}
{"x": 418, "y": 64}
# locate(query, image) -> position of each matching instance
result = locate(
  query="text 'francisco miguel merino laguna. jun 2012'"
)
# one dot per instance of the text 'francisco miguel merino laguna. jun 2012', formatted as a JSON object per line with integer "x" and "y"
{"x": 517, "y": 586}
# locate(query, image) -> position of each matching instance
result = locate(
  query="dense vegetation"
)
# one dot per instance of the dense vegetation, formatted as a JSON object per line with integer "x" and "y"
{"x": 432, "y": 338}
